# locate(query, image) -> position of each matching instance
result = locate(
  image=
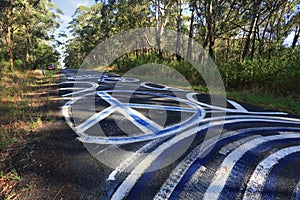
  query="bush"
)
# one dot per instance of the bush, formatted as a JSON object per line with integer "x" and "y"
{"x": 280, "y": 76}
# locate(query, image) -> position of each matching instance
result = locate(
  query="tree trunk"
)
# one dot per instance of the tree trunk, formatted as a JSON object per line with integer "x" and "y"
{"x": 158, "y": 30}
{"x": 252, "y": 28}
{"x": 210, "y": 27}
{"x": 179, "y": 23}
{"x": 27, "y": 53}
{"x": 9, "y": 13}
{"x": 191, "y": 34}
{"x": 296, "y": 37}
{"x": 253, "y": 44}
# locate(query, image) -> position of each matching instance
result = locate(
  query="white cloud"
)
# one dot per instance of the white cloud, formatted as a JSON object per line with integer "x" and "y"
{"x": 83, "y": 3}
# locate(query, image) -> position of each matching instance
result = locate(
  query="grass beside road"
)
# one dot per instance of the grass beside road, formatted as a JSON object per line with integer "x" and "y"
{"x": 287, "y": 104}
{"x": 25, "y": 105}
{"x": 21, "y": 108}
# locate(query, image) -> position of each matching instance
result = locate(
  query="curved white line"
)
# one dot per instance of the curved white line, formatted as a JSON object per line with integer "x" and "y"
{"x": 257, "y": 181}
{"x": 82, "y": 77}
{"x": 176, "y": 175}
{"x": 94, "y": 139}
{"x": 222, "y": 174}
{"x": 125, "y": 140}
{"x": 93, "y": 87}
{"x": 66, "y": 113}
{"x": 116, "y": 79}
{"x": 296, "y": 193}
{"x": 239, "y": 108}
{"x": 131, "y": 179}
{"x": 154, "y": 88}
{"x": 134, "y": 156}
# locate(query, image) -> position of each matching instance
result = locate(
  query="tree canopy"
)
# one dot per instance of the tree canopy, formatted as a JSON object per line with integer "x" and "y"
{"x": 254, "y": 43}
{"x": 228, "y": 29}
{"x": 27, "y": 37}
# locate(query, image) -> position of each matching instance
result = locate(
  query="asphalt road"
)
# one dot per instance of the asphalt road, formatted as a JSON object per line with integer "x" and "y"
{"x": 158, "y": 142}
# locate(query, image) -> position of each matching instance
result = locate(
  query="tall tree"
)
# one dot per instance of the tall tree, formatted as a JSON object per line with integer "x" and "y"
{"x": 10, "y": 31}
{"x": 191, "y": 29}
{"x": 27, "y": 24}
{"x": 179, "y": 26}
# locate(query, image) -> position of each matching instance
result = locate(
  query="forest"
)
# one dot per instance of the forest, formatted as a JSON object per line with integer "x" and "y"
{"x": 27, "y": 34}
{"x": 255, "y": 44}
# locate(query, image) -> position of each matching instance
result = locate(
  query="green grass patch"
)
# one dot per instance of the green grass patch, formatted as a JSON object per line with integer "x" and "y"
{"x": 288, "y": 104}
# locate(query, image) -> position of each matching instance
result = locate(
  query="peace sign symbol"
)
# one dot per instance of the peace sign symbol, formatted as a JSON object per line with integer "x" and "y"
{"x": 133, "y": 112}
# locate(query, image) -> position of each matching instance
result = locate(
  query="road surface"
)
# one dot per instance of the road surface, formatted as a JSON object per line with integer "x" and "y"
{"x": 159, "y": 142}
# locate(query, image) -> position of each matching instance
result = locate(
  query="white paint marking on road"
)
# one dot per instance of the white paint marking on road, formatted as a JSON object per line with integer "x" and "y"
{"x": 95, "y": 119}
{"x": 176, "y": 175}
{"x": 257, "y": 181}
{"x": 222, "y": 174}
{"x": 296, "y": 193}
{"x": 127, "y": 185}
{"x": 94, "y": 86}
{"x": 125, "y": 140}
{"x": 162, "y": 87}
{"x": 134, "y": 156}
{"x": 225, "y": 150}
{"x": 239, "y": 108}
{"x": 129, "y": 113}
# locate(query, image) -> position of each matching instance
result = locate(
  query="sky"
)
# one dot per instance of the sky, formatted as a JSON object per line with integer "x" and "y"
{"x": 68, "y": 7}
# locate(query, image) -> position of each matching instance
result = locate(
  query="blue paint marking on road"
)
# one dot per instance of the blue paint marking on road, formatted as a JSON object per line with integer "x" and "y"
{"x": 150, "y": 172}
{"x": 157, "y": 107}
{"x": 237, "y": 175}
{"x": 272, "y": 181}
{"x": 201, "y": 161}
{"x": 144, "y": 123}
{"x": 296, "y": 192}
{"x": 198, "y": 112}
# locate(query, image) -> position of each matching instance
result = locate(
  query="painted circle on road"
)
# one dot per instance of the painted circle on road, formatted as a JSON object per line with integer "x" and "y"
{"x": 145, "y": 38}
{"x": 150, "y": 129}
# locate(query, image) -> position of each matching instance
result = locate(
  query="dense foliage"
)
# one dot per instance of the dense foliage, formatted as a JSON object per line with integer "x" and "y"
{"x": 254, "y": 43}
{"x": 27, "y": 34}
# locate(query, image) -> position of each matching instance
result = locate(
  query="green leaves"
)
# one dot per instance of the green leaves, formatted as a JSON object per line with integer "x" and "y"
{"x": 28, "y": 26}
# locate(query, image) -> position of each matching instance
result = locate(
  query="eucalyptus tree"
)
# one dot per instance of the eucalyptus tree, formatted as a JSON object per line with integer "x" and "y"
{"x": 217, "y": 19}
{"x": 86, "y": 29}
{"x": 37, "y": 25}
{"x": 26, "y": 26}
{"x": 7, "y": 11}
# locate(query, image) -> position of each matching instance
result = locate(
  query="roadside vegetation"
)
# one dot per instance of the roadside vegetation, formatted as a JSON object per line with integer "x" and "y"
{"x": 270, "y": 83}
{"x": 255, "y": 44}
{"x": 22, "y": 107}
{"x": 25, "y": 106}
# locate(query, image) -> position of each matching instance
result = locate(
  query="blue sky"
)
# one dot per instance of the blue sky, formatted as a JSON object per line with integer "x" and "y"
{"x": 68, "y": 7}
